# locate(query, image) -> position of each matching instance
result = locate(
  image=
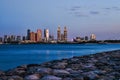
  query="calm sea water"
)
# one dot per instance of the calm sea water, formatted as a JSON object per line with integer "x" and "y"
{"x": 15, "y": 55}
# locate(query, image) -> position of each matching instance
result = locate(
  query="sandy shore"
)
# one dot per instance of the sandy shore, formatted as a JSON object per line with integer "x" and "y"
{"x": 99, "y": 66}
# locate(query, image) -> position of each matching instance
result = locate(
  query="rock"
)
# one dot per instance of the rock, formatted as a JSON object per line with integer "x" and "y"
{"x": 32, "y": 77}
{"x": 60, "y": 72}
{"x": 15, "y": 78}
{"x": 67, "y": 79}
{"x": 44, "y": 70}
{"x": 17, "y": 71}
{"x": 91, "y": 75}
{"x": 75, "y": 66}
{"x": 50, "y": 77}
{"x": 2, "y": 73}
{"x": 60, "y": 65}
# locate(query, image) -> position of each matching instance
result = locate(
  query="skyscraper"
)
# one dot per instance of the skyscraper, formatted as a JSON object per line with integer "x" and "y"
{"x": 86, "y": 38}
{"x": 65, "y": 33}
{"x": 12, "y": 38}
{"x": 46, "y": 35}
{"x": 39, "y": 35}
{"x": 28, "y": 34}
{"x": 24, "y": 38}
{"x": 18, "y": 38}
{"x": 1, "y": 39}
{"x": 32, "y": 36}
{"x": 58, "y": 34}
{"x": 93, "y": 37}
{"x": 62, "y": 37}
{"x": 5, "y": 38}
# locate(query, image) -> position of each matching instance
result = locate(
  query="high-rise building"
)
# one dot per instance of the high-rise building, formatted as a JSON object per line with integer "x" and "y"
{"x": 12, "y": 38}
{"x": 51, "y": 37}
{"x": 65, "y": 33}
{"x": 93, "y": 37}
{"x": 23, "y": 38}
{"x": 5, "y": 38}
{"x": 32, "y": 36}
{"x": 86, "y": 38}
{"x": 39, "y": 35}
{"x": 59, "y": 34}
{"x": 28, "y": 34}
{"x": 18, "y": 38}
{"x": 1, "y": 39}
{"x": 46, "y": 35}
{"x": 62, "y": 37}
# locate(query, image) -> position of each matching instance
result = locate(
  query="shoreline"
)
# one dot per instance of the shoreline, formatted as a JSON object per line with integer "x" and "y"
{"x": 104, "y": 65}
{"x": 52, "y": 43}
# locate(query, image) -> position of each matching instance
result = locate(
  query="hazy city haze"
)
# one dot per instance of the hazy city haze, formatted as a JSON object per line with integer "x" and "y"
{"x": 82, "y": 17}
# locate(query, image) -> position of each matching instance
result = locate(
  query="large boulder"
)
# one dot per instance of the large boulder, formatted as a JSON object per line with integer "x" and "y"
{"x": 44, "y": 70}
{"x": 60, "y": 65}
{"x": 56, "y": 71}
{"x": 32, "y": 77}
{"x": 50, "y": 77}
{"x": 15, "y": 78}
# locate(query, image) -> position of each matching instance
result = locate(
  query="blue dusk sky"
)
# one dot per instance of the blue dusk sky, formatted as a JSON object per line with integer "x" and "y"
{"x": 82, "y": 17}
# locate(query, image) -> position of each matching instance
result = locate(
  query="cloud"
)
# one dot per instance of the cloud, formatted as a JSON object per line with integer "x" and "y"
{"x": 107, "y": 8}
{"x": 80, "y": 14}
{"x": 75, "y": 8}
{"x": 94, "y": 12}
{"x": 115, "y": 8}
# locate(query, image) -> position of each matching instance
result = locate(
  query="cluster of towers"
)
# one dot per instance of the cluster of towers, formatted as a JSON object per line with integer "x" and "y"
{"x": 34, "y": 37}
{"x": 37, "y": 36}
{"x": 62, "y": 36}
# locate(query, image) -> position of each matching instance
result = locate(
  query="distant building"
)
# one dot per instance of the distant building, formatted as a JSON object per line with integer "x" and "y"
{"x": 12, "y": 38}
{"x": 86, "y": 38}
{"x": 39, "y": 35}
{"x": 5, "y": 38}
{"x": 62, "y": 36}
{"x": 51, "y": 37}
{"x": 32, "y": 36}
{"x": 1, "y": 39}
{"x": 65, "y": 33}
{"x": 28, "y": 34}
{"x": 18, "y": 38}
{"x": 9, "y": 39}
{"x": 93, "y": 37}
{"x": 58, "y": 34}
{"x": 46, "y": 35}
{"x": 77, "y": 39}
{"x": 23, "y": 38}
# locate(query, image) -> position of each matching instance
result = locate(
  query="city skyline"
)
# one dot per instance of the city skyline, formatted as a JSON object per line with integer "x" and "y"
{"x": 82, "y": 18}
{"x": 44, "y": 36}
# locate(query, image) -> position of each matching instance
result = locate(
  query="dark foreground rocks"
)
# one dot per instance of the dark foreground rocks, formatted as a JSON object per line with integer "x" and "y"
{"x": 100, "y": 66}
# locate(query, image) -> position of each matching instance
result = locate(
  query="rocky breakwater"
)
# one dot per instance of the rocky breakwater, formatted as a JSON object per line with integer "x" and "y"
{"x": 99, "y": 66}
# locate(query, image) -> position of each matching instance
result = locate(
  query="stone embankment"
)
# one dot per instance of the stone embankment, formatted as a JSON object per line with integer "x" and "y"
{"x": 99, "y": 66}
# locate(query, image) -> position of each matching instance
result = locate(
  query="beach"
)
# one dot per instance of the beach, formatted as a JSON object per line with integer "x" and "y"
{"x": 99, "y": 66}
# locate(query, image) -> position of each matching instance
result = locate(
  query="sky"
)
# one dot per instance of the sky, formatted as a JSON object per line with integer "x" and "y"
{"x": 82, "y": 17}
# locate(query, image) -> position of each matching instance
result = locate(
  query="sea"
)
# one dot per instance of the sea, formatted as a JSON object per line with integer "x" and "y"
{"x": 15, "y": 55}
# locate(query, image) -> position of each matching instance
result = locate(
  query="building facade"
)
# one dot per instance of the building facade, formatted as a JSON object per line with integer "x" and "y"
{"x": 65, "y": 33}
{"x": 32, "y": 36}
{"x": 93, "y": 37}
{"x": 28, "y": 34}
{"x": 58, "y": 34}
{"x": 1, "y": 39}
{"x": 18, "y": 38}
{"x": 39, "y": 35}
{"x": 62, "y": 36}
{"x": 46, "y": 35}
